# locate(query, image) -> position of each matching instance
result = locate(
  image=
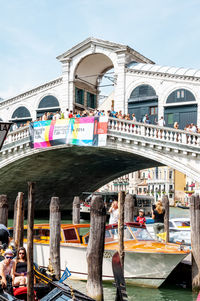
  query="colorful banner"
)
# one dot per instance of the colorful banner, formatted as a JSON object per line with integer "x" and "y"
{"x": 85, "y": 131}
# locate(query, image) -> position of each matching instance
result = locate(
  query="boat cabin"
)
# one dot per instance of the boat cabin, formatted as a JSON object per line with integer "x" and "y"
{"x": 80, "y": 233}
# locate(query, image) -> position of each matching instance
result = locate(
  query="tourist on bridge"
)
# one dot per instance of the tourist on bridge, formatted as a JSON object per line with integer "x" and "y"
{"x": 161, "y": 121}
{"x": 158, "y": 216}
{"x": 134, "y": 118}
{"x": 114, "y": 213}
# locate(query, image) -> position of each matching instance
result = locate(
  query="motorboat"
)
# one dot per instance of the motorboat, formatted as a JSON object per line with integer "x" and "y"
{"x": 147, "y": 261}
{"x": 179, "y": 230}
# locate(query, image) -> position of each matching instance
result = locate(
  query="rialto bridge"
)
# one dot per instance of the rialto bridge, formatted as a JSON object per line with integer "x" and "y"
{"x": 67, "y": 170}
{"x": 139, "y": 86}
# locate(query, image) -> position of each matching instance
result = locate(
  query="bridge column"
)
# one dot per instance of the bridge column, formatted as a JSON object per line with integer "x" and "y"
{"x": 120, "y": 94}
{"x": 65, "y": 87}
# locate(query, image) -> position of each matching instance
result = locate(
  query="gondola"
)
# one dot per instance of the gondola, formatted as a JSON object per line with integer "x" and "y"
{"x": 45, "y": 288}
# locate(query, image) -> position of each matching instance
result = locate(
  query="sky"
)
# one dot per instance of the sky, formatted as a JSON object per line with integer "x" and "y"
{"x": 33, "y": 33}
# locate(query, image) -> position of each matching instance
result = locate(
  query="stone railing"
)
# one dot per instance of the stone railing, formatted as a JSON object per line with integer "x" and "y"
{"x": 18, "y": 135}
{"x": 158, "y": 133}
{"x": 127, "y": 129}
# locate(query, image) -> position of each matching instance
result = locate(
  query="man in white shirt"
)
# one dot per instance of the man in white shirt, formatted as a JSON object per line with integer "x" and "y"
{"x": 161, "y": 121}
{"x": 66, "y": 114}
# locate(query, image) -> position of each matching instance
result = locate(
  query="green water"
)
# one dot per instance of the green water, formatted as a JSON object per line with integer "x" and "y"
{"x": 171, "y": 293}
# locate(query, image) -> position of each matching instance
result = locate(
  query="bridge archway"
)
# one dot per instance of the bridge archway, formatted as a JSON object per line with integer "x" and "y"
{"x": 88, "y": 75}
{"x": 143, "y": 100}
{"x": 48, "y": 103}
{"x": 181, "y": 107}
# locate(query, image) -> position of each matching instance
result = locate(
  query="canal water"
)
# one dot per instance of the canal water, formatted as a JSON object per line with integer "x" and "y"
{"x": 165, "y": 293}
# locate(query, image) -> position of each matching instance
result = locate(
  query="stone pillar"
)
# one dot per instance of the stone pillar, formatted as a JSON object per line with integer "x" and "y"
{"x": 120, "y": 102}
{"x": 65, "y": 86}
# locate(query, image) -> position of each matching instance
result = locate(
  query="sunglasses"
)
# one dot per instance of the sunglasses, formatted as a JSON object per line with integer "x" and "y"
{"x": 9, "y": 257}
{"x": 21, "y": 253}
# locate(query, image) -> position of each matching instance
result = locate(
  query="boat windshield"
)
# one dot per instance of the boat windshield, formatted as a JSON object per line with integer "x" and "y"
{"x": 180, "y": 224}
{"x": 141, "y": 233}
{"x": 111, "y": 235}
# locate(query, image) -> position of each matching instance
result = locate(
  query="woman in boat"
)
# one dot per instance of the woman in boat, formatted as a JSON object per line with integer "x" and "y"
{"x": 114, "y": 213}
{"x": 158, "y": 216}
{"x": 6, "y": 267}
{"x": 20, "y": 268}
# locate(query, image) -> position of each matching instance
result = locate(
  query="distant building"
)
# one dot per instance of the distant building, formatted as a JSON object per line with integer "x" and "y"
{"x": 156, "y": 182}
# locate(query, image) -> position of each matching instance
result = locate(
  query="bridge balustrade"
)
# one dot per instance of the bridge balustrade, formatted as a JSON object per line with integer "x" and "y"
{"x": 129, "y": 129}
{"x": 154, "y": 132}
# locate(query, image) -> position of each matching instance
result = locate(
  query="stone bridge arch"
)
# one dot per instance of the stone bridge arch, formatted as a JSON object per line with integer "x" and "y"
{"x": 67, "y": 170}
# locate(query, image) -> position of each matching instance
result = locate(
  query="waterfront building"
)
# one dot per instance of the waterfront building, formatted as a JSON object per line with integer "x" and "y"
{"x": 139, "y": 86}
{"x": 155, "y": 182}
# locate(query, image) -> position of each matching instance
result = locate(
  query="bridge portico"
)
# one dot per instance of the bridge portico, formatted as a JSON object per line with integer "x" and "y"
{"x": 68, "y": 170}
{"x": 85, "y": 64}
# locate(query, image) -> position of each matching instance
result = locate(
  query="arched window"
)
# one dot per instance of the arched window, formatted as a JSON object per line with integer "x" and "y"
{"x": 183, "y": 110}
{"x": 48, "y": 102}
{"x": 21, "y": 116}
{"x": 21, "y": 113}
{"x": 143, "y": 92}
{"x": 143, "y": 100}
{"x": 180, "y": 95}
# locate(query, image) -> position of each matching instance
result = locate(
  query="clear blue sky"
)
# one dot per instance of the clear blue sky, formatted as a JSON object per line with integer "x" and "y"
{"x": 33, "y": 33}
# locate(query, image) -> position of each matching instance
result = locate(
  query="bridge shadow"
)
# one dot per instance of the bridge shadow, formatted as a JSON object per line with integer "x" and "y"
{"x": 66, "y": 172}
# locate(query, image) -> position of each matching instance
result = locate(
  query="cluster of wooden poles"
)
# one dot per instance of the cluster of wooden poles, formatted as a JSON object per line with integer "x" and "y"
{"x": 95, "y": 247}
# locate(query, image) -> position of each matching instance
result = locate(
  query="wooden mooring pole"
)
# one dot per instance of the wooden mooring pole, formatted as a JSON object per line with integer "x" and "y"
{"x": 121, "y": 199}
{"x": 19, "y": 223}
{"x": 15, "y": 218}
{"x": 195, "y": 241}
{"x": 30, "y": 274}
{"x": 76, "y": 210}
{"x": 165, "y": 202}
{"x": 3, "y": 209}
{"x": 55, "y": 220}
{"x": 95, "y": 248}
{"x": 129, "y": 209}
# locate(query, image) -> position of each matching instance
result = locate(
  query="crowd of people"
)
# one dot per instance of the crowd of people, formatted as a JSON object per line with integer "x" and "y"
{"x": 110, "y": 113}
{"x": 158, "y": 213}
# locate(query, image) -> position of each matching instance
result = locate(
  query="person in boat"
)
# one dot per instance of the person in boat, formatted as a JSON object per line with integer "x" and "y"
{"x": 158, "y": 216}
{"x": 4, "y": 235}
{"x": 6, "y": 267}
{"x": 141, "y": 219}
{"x": 114, "y": 213}
{"x": 20, "y": 268}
